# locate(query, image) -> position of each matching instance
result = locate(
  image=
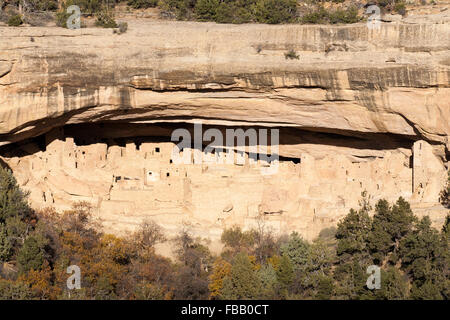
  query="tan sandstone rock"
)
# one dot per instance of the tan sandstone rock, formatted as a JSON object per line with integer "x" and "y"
{"x": 87, "y": 115}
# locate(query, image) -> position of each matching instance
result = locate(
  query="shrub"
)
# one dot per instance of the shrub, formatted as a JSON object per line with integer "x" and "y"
{"x": 181, "y": 8}
{"x": 105, "y": 20}
{"x": 237, "y": 240}
{"x": 190, "y": 286}
{"x": 318, "y": 16}
{"x": 230, "y": 12}
{"x": 291, "y": 54}
{"x": 32, "y": 5}
{"x": 206, "y": 10}
{"x": 322, "y": 16}
{"x": 15, "y": 20}
{"x": 31, "y": 255}
{"x": 400, "y": 8}
{"x": 233, "y": 11}
{"x": 275, "y": 11}
{"x": 86, "y": 6}
{"x": 147, "y": 291}
{"x": 123, "y": 27}
{"x": 384, "y": 3}
{"x": 142, "y": 4}
{"x": 148, "y": 235}
{"x": 10, "y": 290}
{"x": 42, "y": 5}
{"x": 262, "y": 11}
{"x": 349, "y": 15}
{"x": 225, "y": 13}
{"x": 61, "y": 18}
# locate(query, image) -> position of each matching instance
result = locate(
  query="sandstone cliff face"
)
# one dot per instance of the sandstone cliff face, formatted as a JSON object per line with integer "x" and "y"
{"x": 359, "y": 110}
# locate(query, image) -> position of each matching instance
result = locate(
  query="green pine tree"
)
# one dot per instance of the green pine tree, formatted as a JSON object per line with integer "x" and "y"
{"x": 206, "y": 10}
{"x": 6, "y": 248}
{"x": 285, "y": 273}
{"x": 31, "y": 255}
{"x": 394, "y": 285}
{"x": 268, "y": 278}
{"x": 297, "y": 250}
{"x": 243, "y": 282}
{"x": 351, "y": 235}
{"x": 423, "y": 254}
{"x": 352, "y": 254}
{"x": 13, "y": 201}
{"x": 388, "y": 227}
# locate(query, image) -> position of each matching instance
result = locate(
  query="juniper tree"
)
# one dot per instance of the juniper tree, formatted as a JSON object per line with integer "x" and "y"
{"x": 10, "y": 290}
{"x": 32, "y": 254}
{"x": 423, "y": 256}
{"x": 13, "y": 201}
{"x": 394, "y": 285}
{"x": 388, "y": 227}
{"x": 352, "y": 253}
{"x": 268, "y": 278}
{"x": 285, "y": 274}
{"x": 297, "y": 250}
{"x": 14, "y": 210}
{"x": 243, "y": 282}
{"x": 6, "y": 248}
{"x": 352, "y": 234}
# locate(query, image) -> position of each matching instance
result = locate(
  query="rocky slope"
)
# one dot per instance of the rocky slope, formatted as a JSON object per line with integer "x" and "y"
{"x": 356, "y": 100}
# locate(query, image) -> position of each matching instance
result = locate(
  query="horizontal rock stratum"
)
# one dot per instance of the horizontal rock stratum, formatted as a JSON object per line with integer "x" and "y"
{"x": 87, "y": 115}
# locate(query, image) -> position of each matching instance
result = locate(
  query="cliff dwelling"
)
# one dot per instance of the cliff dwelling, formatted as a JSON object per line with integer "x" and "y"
{"x": 89, "y": 117}
{"x": 131, "y": 178}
